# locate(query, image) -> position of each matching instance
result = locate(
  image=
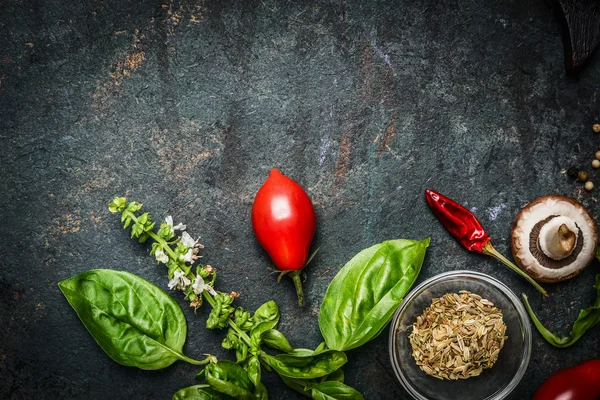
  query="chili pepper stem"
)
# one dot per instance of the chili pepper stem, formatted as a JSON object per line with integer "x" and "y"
{"x": 489, "y": 250}
{"x": 295, "y": 275}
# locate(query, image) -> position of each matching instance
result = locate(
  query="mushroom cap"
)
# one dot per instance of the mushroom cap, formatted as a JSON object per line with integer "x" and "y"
{"x": 526, "y": 233}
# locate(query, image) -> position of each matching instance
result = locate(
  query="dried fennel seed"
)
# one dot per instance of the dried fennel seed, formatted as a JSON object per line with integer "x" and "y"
{"x": 458, "y": 336}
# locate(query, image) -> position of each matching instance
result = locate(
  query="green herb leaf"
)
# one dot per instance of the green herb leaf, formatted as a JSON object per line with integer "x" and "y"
{"x": 333, "y": 390}
{"x": 231, "y": 379}
{"x": 135, "y": 322}
{"x": 254, "y": 370}
{"x": 586, "y": 320}
{"x": 337, "y": 376}
{"x": 299, "y": 385}
{"x": 276, "y": 340}
{"x": 362, "y": 298}
{"x": 199, "y": 392}
{"x": 304, "y": 364}
{"x": 265, "y": 317}
{"x": 260, "y": 393}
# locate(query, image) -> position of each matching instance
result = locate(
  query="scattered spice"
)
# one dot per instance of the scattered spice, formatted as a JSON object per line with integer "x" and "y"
{"x": 596, "y": 128}
{"x": 597, "y": 155}
{"x": 596, "y": 164}
{"x": 458, "y": 336}
{"x": 582, "y": 176}
{"x": 589, "y": 185}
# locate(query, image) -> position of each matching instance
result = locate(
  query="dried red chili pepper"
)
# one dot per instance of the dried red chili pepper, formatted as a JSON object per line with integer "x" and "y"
{"x": 466, "y": 228}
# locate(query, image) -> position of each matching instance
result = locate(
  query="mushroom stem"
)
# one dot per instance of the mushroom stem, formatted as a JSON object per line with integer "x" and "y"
{"x": 489, "y": 250}
{"x": 557, "y": 238}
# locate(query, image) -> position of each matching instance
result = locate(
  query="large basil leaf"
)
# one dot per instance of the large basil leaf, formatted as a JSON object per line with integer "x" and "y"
{"x": 135, "y": 322}
{"x": 364, "y": 295}
{"x": 199, "y": 392}
{"x": 333, "y": 390}
{"x": 230, "y": 378}
{"x": 306, "y": 366}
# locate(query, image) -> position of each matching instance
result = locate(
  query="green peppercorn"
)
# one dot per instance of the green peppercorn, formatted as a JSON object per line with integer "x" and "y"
{"x": 582, "y": 176}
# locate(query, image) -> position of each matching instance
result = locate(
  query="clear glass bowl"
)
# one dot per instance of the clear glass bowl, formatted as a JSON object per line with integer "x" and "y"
{"x": 493, "y": 383}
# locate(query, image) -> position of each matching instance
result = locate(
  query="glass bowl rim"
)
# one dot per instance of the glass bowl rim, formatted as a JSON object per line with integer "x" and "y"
{"x": 520, "y": 309}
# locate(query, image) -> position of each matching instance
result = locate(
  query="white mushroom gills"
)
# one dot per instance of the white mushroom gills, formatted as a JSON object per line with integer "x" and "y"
{"x": 558, "y": 238}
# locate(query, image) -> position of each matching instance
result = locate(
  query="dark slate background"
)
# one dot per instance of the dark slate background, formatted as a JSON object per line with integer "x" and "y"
{"x": 186, "y": 106}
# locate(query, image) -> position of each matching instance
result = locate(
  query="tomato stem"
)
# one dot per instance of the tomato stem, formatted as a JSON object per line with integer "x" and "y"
{"x": 295, "y": 275}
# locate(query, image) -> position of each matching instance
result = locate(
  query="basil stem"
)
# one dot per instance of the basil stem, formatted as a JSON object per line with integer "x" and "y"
{"x": 586, "y": 320}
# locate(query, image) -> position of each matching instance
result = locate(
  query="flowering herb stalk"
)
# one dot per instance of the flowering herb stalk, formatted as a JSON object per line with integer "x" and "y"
{"x": 316, "y": 374}
{"x": 177, "y": 253}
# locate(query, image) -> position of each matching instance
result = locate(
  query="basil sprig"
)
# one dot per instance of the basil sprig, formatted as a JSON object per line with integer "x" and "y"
{"x": 586, "y": 320}
{"x": 364, "y": 295}
{"x": 137, "y": 324}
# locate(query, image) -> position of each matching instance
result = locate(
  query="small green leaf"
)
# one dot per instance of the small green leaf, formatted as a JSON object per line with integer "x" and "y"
{"x": 337, "y": 376}
{"x": 134, "y": 207}
{"x": 254, "y": 370}
{"x": 231, "y": 379}
{"x": 118, "y": 204}
{"x": 301, "y": 386}
{"x": 276, "y": 340}
{"x": 333, "y": 390}
{"x": 199, "y": 392}
{"x": 241, "y": 352}
{"x": 265, "y": 317}
{"x": 303, "y": 365}
{"x": 260, "y": 393}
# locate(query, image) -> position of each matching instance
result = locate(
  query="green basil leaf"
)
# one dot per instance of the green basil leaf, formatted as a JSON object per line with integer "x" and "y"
{"x": 261, "y": 393}
{"x": 276, "y": 340}
{"x": 241, "y": 352}
{"x": 199, "y": 392}
{"x": 307, "y": 366}
{"x": 265, "y": 317}
{"x": 229, "y": 378}
{"x": 254, "y": 370}
{"x": 135, "y": 322}
{"x": 337, "y": 376}
{"x": 363, "y": 296}
{"x": 332, "y": 390}
{"x": 586, "y": 320}
{"x": 299, "y": 385}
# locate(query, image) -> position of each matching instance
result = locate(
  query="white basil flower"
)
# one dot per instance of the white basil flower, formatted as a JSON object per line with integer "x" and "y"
{"x": 188, "y": 257}
{"x": 187, "y": 240}
{"x": 175, "y": 282}
{"x": 199, "y": 286}
{"x": 179, "y": 281}
{"x": 178, "y": 227}
{"x": 161, "y": 256}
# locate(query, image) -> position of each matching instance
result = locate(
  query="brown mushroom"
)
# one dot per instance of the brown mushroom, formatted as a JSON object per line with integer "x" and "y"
{"x": 553, "y": 238}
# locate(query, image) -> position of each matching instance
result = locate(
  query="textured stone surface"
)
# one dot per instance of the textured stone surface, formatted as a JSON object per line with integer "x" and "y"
{"x": 185, "y": 106}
